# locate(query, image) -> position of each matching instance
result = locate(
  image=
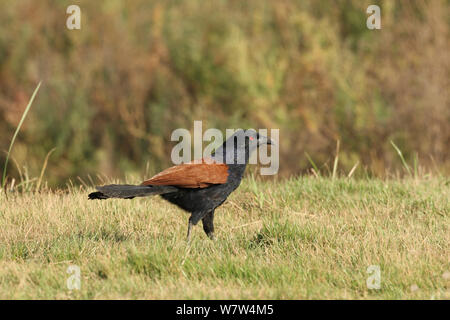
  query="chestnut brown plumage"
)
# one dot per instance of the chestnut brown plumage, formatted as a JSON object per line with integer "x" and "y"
{"x": 197, "y": 174}
{"x": 198, "y": 187}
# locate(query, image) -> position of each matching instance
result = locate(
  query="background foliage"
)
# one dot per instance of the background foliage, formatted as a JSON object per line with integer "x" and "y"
{"x": 114, "y": 91}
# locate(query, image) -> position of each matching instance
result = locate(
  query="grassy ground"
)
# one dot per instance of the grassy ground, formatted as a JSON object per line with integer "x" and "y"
{"x": 304, "y": 238}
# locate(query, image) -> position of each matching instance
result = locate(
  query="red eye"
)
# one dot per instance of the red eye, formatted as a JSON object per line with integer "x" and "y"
{"x": 251, "y": 138}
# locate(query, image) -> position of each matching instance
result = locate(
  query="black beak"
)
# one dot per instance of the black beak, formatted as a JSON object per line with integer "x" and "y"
{"x": 264, "y": 140}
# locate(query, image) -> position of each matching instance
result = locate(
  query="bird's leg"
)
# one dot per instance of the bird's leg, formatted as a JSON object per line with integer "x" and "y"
{"x": 190, "y": 224}
{"x": 208, "y": 224}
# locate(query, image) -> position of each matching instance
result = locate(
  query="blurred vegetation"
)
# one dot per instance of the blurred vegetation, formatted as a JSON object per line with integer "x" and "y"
{"x": 114, "y": 91}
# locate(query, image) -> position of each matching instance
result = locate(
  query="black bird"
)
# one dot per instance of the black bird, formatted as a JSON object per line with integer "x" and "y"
{"x": 198, "y": 187}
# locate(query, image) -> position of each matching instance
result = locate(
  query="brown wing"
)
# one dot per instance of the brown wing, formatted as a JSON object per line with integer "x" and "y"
{"x": 197, "y": 174}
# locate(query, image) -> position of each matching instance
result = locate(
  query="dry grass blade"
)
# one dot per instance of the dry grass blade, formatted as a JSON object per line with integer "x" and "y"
{"x": 400, "y": 154}
{"x": 44, "y": 166}
{"x": 17, "y": 132}
{"x": 336, "y": 160}
{"x": 353, "y": 170}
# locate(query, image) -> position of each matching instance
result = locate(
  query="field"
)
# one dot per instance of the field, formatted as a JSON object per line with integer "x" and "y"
{"x": 303, "y": 238}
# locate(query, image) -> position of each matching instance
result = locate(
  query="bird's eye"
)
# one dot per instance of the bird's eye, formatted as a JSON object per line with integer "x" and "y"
{"x": 251, "y": 138}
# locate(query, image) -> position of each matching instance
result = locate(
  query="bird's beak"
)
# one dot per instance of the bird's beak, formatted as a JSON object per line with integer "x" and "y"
{"x": 264, "y": 140}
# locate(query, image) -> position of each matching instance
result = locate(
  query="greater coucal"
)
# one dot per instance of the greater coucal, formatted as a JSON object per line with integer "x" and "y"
{"x": 198, "y": 187}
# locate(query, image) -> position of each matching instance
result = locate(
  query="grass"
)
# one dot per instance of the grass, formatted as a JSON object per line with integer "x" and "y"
{"x": 22, "y": 119}
{"x": 304, "y": 238}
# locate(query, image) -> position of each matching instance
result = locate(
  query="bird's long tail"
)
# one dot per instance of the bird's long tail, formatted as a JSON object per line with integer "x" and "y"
{"x": 128, "y": 191}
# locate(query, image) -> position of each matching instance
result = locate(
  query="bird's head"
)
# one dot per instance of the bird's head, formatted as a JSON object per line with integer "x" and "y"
{"x": 253, "y": 139}
{"x": 241, "y": 144}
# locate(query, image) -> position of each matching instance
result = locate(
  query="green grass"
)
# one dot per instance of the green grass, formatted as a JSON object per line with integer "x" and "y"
{"x": 305, "y": 238}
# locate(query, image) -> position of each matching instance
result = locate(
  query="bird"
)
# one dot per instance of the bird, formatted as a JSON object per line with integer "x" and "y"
{"x": 198, "y": 187}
